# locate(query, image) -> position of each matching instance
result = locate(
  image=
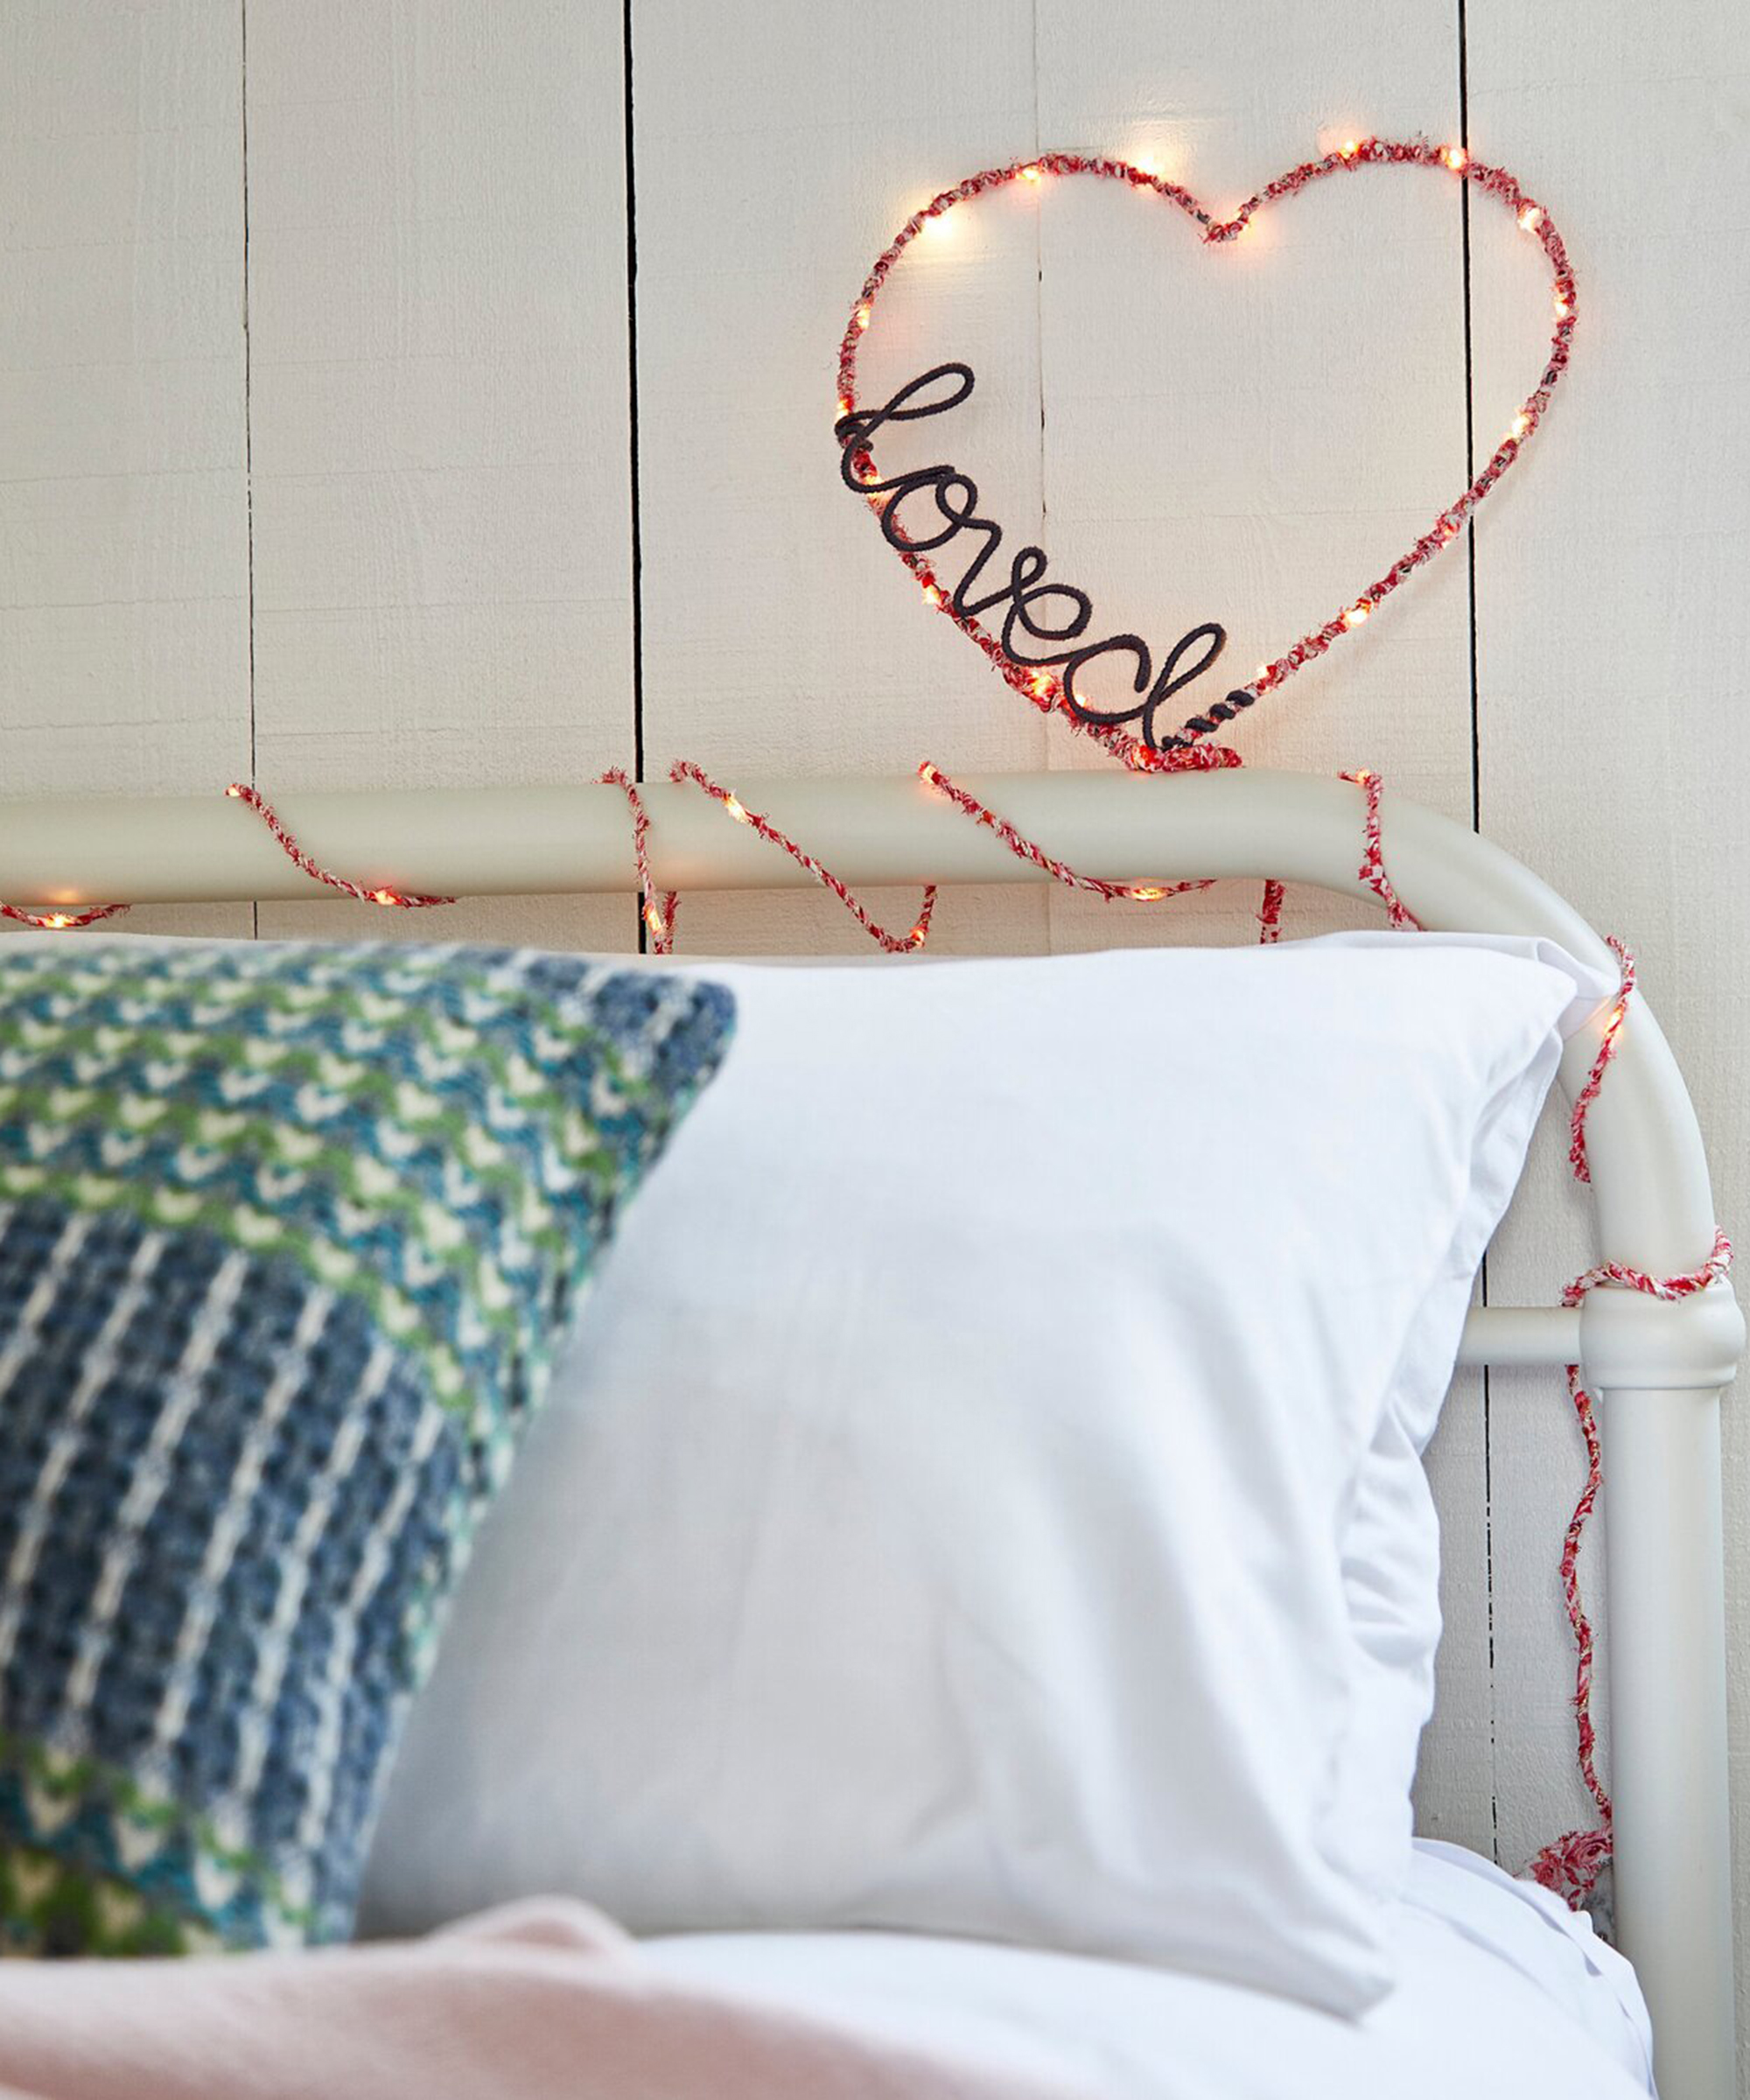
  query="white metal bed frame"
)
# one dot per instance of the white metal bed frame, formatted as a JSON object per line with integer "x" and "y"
{"x": 1663, "y": 1366}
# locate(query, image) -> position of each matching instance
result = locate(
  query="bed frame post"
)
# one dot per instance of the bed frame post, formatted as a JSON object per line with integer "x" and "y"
{"x": 1665, "y": 1568}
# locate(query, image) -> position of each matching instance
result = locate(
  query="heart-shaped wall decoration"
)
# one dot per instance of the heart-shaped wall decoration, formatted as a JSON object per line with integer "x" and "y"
{"x": 1045, "y": 674}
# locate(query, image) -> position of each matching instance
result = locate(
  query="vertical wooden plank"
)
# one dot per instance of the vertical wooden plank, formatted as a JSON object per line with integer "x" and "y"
{"x": 123, "y": 564}
{"x": 775, "y": 159}
{"x": 1612, "y": 633}
{"x": 440, "y": 435}
{"x": 1251, "y": 433}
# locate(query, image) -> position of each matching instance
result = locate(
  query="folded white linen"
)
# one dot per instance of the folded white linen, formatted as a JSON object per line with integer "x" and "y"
{"x": 1501, "y": 1991}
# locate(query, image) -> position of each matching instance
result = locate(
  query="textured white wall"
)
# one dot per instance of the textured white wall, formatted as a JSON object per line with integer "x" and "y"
{"x": 378, "y": 407}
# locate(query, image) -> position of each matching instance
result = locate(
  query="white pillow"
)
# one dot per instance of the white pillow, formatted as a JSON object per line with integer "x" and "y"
{"x": 955, "y": 1514}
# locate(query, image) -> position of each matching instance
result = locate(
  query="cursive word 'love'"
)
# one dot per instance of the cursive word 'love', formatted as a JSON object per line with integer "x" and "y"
{"x": 1043, "y": 623}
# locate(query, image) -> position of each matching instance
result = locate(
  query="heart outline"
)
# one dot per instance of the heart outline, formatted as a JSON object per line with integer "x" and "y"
{"x": 1187, "y": 746}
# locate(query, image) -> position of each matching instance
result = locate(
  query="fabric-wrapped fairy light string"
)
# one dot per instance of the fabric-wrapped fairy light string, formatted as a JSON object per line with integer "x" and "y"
{"x": 1372, "y": 870}
{"x": 658, "y": 918}
{"x": 1024, "y": 849}
{"x": 659, "y": 915}
{"x": 403, "y": 900}
{"x": 1606, "y": 1049}
{"x": 896, "y": 944}
{"x": 59, "y": 922}
{"x": 1571, "y": 1864}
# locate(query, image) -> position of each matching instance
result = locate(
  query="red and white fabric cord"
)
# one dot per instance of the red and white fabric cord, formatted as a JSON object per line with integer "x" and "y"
{"x": 1570, "y": 1864}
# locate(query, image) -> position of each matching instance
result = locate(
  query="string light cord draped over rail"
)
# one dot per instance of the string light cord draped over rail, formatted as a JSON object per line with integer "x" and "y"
{"x": 1372, "y": 870}
{"x": 1571, "y": 1864}
{"x": 659, "y": 915}
{"x": 253, "y": 799}
{"x": 59, "y": 922}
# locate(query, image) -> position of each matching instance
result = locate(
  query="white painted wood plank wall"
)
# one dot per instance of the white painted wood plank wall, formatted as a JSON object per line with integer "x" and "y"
{"x": 375, "y": 407}
{"x": 123, "y": 544}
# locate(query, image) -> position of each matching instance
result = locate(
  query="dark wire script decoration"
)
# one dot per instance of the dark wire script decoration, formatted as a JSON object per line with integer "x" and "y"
{"x": 1050, "y": 612}
{"x": 1215, "y": 235}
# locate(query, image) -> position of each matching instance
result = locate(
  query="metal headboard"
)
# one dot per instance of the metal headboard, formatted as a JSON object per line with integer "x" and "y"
{"x": 1662, "y": 1366}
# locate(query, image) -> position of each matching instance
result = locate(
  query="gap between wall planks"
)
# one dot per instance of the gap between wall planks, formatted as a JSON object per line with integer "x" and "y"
{"x": 431, "y": 418}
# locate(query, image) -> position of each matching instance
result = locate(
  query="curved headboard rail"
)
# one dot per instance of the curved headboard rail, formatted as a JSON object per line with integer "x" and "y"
{"x": 1661, "y": 1366}
{"x": 1654, "y": 1206}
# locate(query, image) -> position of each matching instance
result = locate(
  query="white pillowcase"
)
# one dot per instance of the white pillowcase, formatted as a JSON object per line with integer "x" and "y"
{"x": 977, "y": 1500}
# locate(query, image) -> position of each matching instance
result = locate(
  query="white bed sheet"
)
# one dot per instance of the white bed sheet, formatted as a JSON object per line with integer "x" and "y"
{"x": 1503, "y": 1994}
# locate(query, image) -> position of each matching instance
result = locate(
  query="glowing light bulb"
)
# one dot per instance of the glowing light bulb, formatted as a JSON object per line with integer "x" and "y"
{"x": 918, "y": 936}
{"x": 1456, "y": 159}
{"x": 1362, "y": 775}
{"x": 59, "y": 919}
{"x": 844, "y": 404}
{"x": 1356, "y": 613}
{"x": 1261, "y": 674}
{"x": 1146, "y": 164}
{"x": 926, "y": 772}
{"x": 1350, "y": 148}
{"x": 235, "y": 792}
{"x": 1563, "y": 309}
{"x": 384, "y": 897}
{"x": 1041, "y": 684}
{"x": 1032, "y": 173}
{"x": 1530, "y": 219}
{"x": 1522, "y": 423}
{"x": 655, "y": 921}
{"x": 932, "y": 596}
{"x": 937, "y": 222}
{"x": 736, "y": 810}
{"x": 863, "y": 316}
{"x": 1147, "y": 893}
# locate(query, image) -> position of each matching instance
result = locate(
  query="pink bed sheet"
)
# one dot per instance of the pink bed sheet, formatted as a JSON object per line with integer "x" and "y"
{"x": 543, "y": 2000}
